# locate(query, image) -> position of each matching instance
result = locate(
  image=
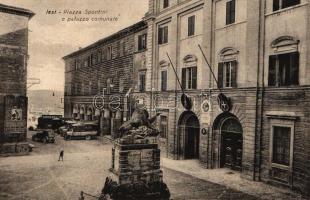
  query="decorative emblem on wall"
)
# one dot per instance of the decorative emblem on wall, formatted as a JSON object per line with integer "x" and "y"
{"x": 224, "y": 102}
{"x": 204, "y": 131}
{"x": 205, "y": 106}
{"x": 16, "y": 114}
{"x": 186, "y": 102}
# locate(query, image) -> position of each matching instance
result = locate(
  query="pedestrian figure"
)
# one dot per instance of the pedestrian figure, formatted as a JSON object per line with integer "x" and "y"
{"x": 82, "y": 196}
{"x": 61, "y": 155}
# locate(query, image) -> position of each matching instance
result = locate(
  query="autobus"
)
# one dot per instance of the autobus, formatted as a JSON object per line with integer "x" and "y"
{"x": 50, "y": 122}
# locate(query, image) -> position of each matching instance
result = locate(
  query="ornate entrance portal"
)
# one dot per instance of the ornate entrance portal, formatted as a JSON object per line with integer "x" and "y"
{"x": 189, "y": 135}
{"x": 231, "y": 148}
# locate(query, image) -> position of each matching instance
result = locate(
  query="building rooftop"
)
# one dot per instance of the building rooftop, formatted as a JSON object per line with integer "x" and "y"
{"x": 135, "y": 27}
{"x": 16, "y": 10}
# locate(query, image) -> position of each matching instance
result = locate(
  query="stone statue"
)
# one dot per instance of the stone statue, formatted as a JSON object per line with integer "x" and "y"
{"x": 139, "y": 124}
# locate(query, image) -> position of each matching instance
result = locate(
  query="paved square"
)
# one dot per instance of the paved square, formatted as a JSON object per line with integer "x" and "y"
{"x": 41, "y": 176}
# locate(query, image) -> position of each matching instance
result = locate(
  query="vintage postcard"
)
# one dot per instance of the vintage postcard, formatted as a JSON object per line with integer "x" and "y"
{"x": 154, "y": 99}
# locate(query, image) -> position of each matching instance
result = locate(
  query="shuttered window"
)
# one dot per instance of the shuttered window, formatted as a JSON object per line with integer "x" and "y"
{"x": 230, "y": 12}
{"x": 283, "y": 69}
{"x": 189, "y": 78}
{"x": 281, "y": 4}
{"x": 163, "y": 35}
{"x": 164, "y": 80}
{"x": 227, "y": 74}
{"x": 191, "y": 25}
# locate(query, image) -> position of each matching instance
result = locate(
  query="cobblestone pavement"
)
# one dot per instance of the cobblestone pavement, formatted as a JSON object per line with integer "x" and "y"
{"x": 85, "y": 166}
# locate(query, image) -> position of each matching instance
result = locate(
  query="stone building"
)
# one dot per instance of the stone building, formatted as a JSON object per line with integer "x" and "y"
{"x": 259, "y": 55}
{"x": 100, "y": 77}
{"x": 13, "y": 78}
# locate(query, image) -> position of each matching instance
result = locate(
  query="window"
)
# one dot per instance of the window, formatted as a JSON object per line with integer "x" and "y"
{"x": 164, "y": 80}
{"x": 121, "y": 49}
{"x": 227, "y": 74}
{"x": 104, "y": 54}
{"x": 281, "y": 4}
{"x": 163, "y": 35}
{"x": 76, "y": 87}
{"x": 99, "y": 56}
{"x": 121, "y": 85}
{"x": 165, "y": 3}
{"x": 90, "y": 88}
{"x": 191, "y": 25}
{"x": 85, "y": 62}
{"x": 281, "y": 145}
{"x": 163, "y": 126}
{"x": 189, "y": 78}
{"x": 76, "y": 66}
{"x": 109, "y": 85}
{"x": 98, "y": 87}
{"x": 89, "y": 60}
{"x": 142, "y": 81}
{"x": 83, "y": 89}
{"x": 230, "y": 12}
{"x": 93, "y": 59}
{"x": 109, "y": 53}
{"x": 284, "y": 69}
{"x": 141, "y": 42}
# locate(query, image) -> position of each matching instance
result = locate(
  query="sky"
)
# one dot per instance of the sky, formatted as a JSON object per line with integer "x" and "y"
{"x": 50, "y": 38}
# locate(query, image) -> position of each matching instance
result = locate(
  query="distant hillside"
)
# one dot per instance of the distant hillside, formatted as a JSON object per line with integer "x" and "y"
{"x": 45, "y": 101}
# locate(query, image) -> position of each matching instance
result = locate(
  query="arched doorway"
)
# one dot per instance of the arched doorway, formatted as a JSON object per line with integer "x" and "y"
{"x": 231, "y": 143}
{"x": 189, "y": 129}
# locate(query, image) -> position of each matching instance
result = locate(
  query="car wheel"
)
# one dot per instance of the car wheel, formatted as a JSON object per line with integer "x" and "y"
{"x": 88, "y": 137}
{"x": 44, "y": 140}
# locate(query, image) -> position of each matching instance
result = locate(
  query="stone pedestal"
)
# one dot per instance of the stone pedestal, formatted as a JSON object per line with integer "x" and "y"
{"x": 136, "y": 173}
{"x": 136, "y": 162}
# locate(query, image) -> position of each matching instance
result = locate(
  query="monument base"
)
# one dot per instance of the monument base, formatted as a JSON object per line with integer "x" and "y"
{"x": 135, "y": 173}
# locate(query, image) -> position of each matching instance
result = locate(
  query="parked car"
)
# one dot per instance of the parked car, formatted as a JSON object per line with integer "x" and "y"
{"x": 82, "y": 130}
{"x": 45, "y": 136}
{"x": 63, "y": 129}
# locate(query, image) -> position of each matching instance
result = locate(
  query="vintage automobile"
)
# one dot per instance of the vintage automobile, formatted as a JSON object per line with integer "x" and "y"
{"x": 82, "y": 131}
{"x": 44, "y": 135}
{"x": 67, "y": 125}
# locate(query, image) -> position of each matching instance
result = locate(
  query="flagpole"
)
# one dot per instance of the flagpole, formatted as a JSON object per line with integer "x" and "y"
{"x": 176, "y": 74}
{"x": 204, "y": 56}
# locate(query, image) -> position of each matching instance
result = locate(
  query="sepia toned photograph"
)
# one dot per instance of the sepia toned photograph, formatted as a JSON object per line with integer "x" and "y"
{"x": 154, "y": 99}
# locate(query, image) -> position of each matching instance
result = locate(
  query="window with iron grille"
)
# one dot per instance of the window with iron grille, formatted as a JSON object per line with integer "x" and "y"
{"x": 191, "y": 25}
{"x": 227, "y": 74}
{"x": 230, "y": 12}
{"x": 283, "y": 69}
{"x": 163, "y": 35}
{"x": 164, "y": 80}
{"x": 141, "y": 42}
{"x": 163, "y": 126}
{"x": 189, "y": 78}
{"x": 281, "y": 145}
{"x": 281, "y": 4}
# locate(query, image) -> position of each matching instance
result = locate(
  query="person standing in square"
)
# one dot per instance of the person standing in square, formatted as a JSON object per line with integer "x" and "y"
{"x": 61, "y": 155}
